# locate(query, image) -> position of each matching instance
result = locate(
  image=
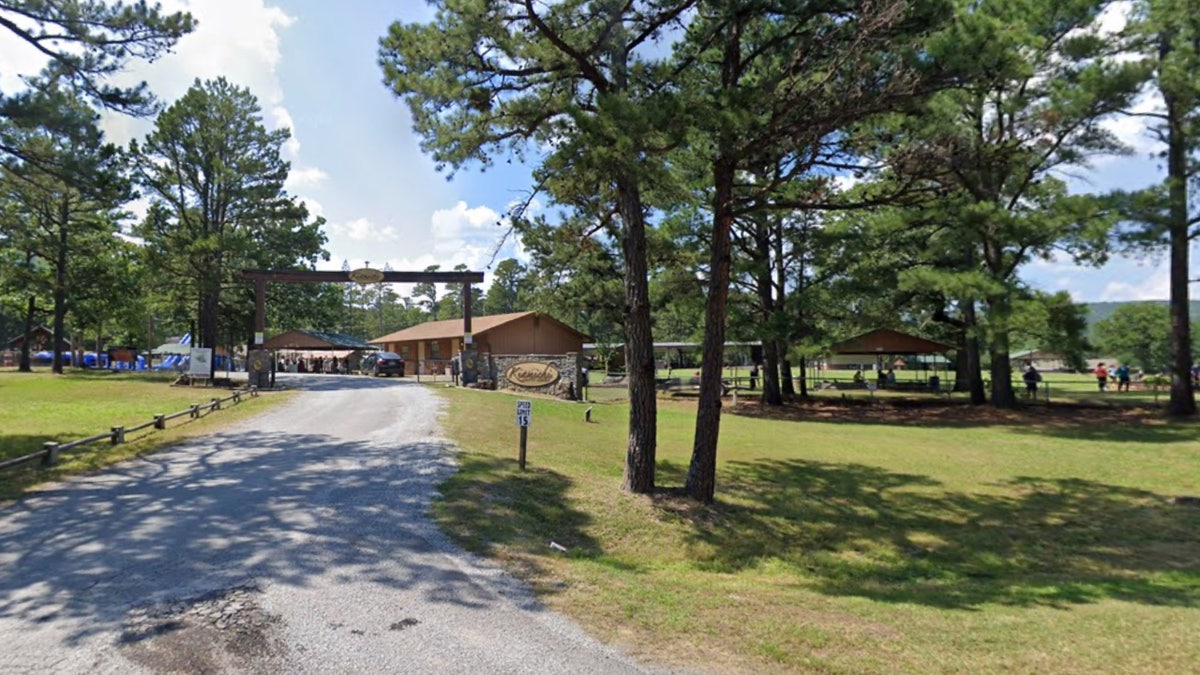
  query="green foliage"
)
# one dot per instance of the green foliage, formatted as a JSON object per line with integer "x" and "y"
{"x": 1035, "y": 82}
{"x": 63, "y": 188}
{"x": 215, "y": 178}
{"x": 1138, "y": 333}
{"x": 1052, "y": 323}
{"x": 451, "y": 305}
{"x": 88, "y": 42}
{"x": 510, "y": 289}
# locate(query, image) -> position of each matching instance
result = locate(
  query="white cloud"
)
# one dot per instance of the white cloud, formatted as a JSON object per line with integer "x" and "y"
{"x": 462, "y": 235}
{"x": 1155, "y": 286}
{"x": 1113, "y": 18}
{"x": 1133, "y": 130}
{"x": 460, "y": 221}
{"x": 236, "y": 39}
{"x": 1057, "y": 261}
{"x": 304, "y": 177}
{"x": 315, "y": 209}
{"x": 283, "y": 120}
{"x": 364, "y": 230}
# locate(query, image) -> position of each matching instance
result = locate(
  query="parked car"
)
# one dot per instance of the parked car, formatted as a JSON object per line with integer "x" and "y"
{"x": 383, "y": 363}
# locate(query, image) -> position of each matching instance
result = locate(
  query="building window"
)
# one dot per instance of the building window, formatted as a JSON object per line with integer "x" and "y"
{"x": 435, "y": 350}
{"x": 404, "y": 352}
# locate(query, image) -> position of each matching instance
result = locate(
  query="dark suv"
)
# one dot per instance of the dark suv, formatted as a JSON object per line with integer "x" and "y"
{"x": 384, "y": 363}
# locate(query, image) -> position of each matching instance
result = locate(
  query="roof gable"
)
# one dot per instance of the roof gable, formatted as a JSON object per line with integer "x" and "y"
{"x": 453, "y": 328}
{"x": 887, "y": 341}
{"x": 311, "y": 339}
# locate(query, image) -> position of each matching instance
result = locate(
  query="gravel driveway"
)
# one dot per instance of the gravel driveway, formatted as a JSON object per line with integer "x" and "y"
{"x": 295, "y": 543}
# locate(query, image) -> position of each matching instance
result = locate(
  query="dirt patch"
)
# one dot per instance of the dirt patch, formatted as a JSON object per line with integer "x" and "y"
{"x": 927, "y": 412}
{"x": 217, "y": 632}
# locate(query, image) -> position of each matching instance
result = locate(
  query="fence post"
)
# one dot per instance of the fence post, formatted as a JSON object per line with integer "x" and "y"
{"x": 160, "y": 422}
{"x": 51, "y": 457}
{"x": 216, "y": 404}
{"x": 118, "y": 435}
{"x": 196, "y": 411}
{"x": 237, "y": 397}
{"x": 253, "y": 392}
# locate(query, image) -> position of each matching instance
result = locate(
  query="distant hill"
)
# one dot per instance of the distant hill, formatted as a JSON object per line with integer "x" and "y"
{"x": 1099, "y": 311}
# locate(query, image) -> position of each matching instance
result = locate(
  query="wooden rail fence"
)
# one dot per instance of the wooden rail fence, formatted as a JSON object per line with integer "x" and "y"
{"x": 48, "y": 455}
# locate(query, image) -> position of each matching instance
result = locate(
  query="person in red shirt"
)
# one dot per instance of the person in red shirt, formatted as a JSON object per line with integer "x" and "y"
{"x": 1101, "y": 374}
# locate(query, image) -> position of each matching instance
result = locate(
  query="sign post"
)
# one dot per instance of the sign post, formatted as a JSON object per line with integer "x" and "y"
{"x": 524, "y": 415}
{"x": 200, "y": 363}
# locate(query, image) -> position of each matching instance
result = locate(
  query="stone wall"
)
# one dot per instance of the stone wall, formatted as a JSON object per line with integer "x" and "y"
{"x": 566, "y": 386}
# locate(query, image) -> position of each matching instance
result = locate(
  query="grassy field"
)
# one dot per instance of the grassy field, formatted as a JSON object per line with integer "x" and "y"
{"x": 1059, "y": 387}
{"x": 852, "y": 538}
{"x": 39, "y": 407}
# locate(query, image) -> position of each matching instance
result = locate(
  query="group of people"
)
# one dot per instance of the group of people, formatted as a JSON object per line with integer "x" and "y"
{"x": 1121, "y": 374}
{"x": 883, "y": 379}
{"x": 316, "y": 364}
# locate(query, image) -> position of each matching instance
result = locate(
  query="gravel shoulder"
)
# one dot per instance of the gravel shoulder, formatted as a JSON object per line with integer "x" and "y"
{"x": 296, "y": 542}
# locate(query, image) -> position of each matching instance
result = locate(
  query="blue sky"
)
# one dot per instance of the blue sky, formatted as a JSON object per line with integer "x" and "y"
{"x": 312, "y": 64}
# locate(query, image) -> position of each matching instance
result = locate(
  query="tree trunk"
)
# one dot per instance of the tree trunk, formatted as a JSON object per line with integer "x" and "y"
{"x": 803, "y": 377}
{"x": 973, "y": 365}
{"x": 787, "y": 388}
{"x": 24, "y": 364}
{"x": 60, "y": 287}
{"x": 702, "y": 473}
{"x": 766, "y": 303}
{"x": 1183, "y": 402}
{"x": 785, "y": 372}
{"x": 961, "y": 382}
{"x": 210, "y": 311}
{"x": 639, "y": 345}
{"x": 1001, "y": 370}
{"x": 770, "y": 374}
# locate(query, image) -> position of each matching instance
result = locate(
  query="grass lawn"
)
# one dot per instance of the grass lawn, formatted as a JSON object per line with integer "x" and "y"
{"x": 1060, "y": 387}
{"x": 883, "y": 540}
{"x": 39, "y": 407}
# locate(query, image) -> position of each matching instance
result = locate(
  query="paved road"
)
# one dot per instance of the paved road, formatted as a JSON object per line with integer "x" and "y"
{"x": 296, "y": 543}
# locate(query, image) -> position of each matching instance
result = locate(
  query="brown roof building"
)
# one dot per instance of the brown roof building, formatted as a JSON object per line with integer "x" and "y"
{"x": 41, "y": 339}
{"x": 434, "y": 343}
{"x": 884, "y": 341}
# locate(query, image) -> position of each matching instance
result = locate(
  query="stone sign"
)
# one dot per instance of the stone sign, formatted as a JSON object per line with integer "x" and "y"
{"x": 557, "y": 375}
{"x": 532, "y": 374}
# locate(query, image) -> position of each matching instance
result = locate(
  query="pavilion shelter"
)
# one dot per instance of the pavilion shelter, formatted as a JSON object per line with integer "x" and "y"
{"x": 41, "y": 340}
{"x": 308, "y": 347}
{"x": 885, "y": 348}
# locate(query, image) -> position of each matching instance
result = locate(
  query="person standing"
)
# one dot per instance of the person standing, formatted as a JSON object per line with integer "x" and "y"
{"x": 1122, "y": 374}
{"x": 1101, "y": 374}
{"x": 1032, "y": 377}
{"x": 454, "y": 368}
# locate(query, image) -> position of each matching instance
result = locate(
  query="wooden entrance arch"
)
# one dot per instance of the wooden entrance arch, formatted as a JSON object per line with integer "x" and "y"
{"x": 366, "y": 275}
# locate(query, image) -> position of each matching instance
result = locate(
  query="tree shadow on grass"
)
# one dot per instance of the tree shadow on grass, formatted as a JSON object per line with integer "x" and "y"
{"x": 489, "y": 504}
{"x": 1129, "y": 424}
{"x": 239, "y": 508}
{"x": 12, "y": 445}
{"x": 849, "y": 529}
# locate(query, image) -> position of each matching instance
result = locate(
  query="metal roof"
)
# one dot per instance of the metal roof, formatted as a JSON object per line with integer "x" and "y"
{"x": 316, "y": 340}
{"x": 453, "y": 328}
{"x": 888, "y": 341}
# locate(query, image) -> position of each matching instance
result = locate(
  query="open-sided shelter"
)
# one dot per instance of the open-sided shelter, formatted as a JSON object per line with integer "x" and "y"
{"x": 41, "y": 339}
{"x": 883, "y": 345}
{"x": 305, "y": 342}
